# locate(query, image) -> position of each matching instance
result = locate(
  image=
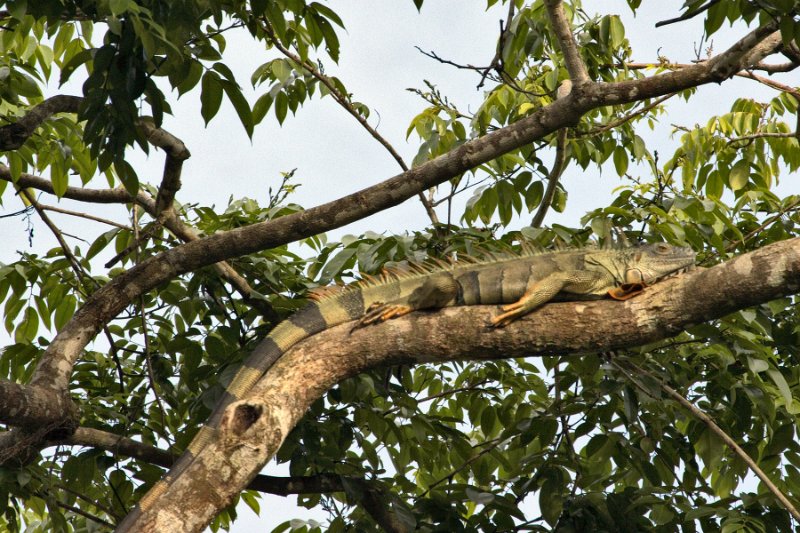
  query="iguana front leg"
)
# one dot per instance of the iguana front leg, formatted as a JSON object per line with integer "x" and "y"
{"x": 544, "y": 290}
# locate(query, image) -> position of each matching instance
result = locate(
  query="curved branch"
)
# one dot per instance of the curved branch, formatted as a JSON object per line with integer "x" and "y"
{"x": 253, "y": 429}
{"x": 177, "y": 153}
{"x": 12, "y": 136}
{"x": 714, "y": 428}
{"x": 371, "y": 495}
{"x": 169, "y": 218}
{"x": 95, "y": 196}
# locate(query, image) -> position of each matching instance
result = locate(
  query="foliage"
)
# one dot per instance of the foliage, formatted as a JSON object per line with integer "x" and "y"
{"x": 566, "y": 443}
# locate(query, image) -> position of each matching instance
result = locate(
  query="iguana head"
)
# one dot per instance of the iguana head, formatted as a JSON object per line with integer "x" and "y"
{"x": 649, "y": 263}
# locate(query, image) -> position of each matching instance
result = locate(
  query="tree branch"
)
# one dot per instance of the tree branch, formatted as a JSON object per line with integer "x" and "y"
{"x": 552, "y": 178}
{"x": 689, "y": 14}
{"x": 714, "y": 428}
{"x": 253, "y": 429}
{"x": 31, "y": 407}
{"x": 169, "y": 219}
{"x": 12, "y": 136}
{"x": 749, "y": 50}
{"x": 372, "y": 494}
{"x": 177, "y": 153}
{"x": 566, "y": 41}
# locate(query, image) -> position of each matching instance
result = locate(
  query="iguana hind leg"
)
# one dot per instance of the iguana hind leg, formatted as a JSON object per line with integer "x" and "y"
{"x": 435, "y": 292}
{"x": 380, "y": 312}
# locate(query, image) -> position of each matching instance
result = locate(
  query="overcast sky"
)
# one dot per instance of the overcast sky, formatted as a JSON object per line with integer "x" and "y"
{"x": 334, "y": 156}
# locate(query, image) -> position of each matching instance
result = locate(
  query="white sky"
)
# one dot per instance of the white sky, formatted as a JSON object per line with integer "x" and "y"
{"x": 334, "y": 156}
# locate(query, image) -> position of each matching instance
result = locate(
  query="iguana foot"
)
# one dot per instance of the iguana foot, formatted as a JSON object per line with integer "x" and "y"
{"x": 626, "y": 291}
{"x": 381, "y": 312}
{"x": 501, "y": 321}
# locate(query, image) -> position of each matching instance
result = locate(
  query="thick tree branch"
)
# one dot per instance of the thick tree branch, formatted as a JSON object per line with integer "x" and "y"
{"x": 12, "y": 136}
{"x": 749, "y": 50}
{"x": 566, "y": 41}
{"x": 252, "y": 430}
{"x": 55, "y": 368}
{"x": 371, "y": 494}
{"x": 31, "y": 407}
{"x": 96, "y": 196}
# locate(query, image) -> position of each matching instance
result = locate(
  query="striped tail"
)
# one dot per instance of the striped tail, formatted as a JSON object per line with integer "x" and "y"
{"x": 318, "y": 316}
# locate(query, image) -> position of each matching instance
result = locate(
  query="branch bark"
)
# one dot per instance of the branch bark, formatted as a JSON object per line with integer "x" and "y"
{"x": 566, "y": 41}
{"x": 252, "y": 430}
{"x": 12, "y": 136}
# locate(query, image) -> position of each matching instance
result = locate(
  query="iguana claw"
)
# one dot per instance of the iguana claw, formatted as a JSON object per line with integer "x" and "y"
{"x": 380, "y": 312}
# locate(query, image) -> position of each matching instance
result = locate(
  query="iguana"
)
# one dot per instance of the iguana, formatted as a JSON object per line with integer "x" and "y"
{"x": 522, "y": 282}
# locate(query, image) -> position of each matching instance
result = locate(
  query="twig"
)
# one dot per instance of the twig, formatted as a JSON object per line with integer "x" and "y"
{"x": 85, "y": 514}
{"x": 115, "y": 355}
{"x": 91, "y": 502}
{"x": 770, "y": 83}
{"x": 496, "y": 63}
{"x": 700, "y": 415}
{"x": 83, "y": 215}
{"x": 622, "y": 120}
{"x": 689, "y": 14}
{"x": 763, "y": 135}
{"x": 742, "y": 74}
{"x": 148, "y": 356}
{"x": 343, "y": 101}
{"x": 552, "y": 178}
{"x": 73, "y": 261}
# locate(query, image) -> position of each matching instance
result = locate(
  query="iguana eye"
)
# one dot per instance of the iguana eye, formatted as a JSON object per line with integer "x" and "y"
{"x": 663, "y": 247}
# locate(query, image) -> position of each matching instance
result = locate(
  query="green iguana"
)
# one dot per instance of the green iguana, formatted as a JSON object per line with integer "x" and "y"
{"x": 521, "y": 282}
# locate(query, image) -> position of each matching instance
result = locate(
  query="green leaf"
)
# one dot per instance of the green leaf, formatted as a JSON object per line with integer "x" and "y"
{"x": 127, "y": 175}
{"x": 616, "y": 31}
{"x": 240, "y": 105}
{"x": 64, "y": 311}
{"x": 261, "y": 107}
{"x": 210, "y": 96}
{"x": 28, "y": 328}
{"x": 620, "y": 160}
{"x": 59, "y": 178}
{"x": 281, "y": 106}
{"x": 739, "y": 176}
{"x": 782, "y": 385}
